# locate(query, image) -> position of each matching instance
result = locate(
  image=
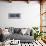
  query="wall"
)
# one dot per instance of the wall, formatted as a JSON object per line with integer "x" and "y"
{"x": 30, "y": 14}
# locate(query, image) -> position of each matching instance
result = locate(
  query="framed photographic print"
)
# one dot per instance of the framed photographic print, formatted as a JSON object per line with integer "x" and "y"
{"x": 14, "y": 15}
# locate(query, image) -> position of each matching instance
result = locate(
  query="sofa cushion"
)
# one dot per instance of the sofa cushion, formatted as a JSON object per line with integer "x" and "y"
{"x": 23, "y": 31}
{"x": 20, "y": 37}
{"x": 11, "y": 30}
{"x": 17, "y": 30}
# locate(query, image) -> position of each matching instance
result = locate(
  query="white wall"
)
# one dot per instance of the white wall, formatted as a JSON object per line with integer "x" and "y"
{"x": 30, "y": 14}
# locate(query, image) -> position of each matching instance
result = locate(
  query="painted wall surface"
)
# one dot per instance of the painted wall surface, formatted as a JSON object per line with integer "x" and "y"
{"x": 29, "y": 14}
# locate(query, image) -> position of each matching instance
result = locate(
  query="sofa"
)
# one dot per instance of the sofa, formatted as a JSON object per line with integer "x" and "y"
{"x": 17, "y": 34}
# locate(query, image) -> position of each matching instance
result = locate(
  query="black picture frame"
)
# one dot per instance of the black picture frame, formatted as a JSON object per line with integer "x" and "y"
{"x": 14, "y": 15}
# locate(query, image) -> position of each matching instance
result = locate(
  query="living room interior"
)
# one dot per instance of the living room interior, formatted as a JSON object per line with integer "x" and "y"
{"x": 23, "y": 21}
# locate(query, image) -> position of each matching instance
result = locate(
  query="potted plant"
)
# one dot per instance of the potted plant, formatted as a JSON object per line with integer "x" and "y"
{"x": 37, "y": 33}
